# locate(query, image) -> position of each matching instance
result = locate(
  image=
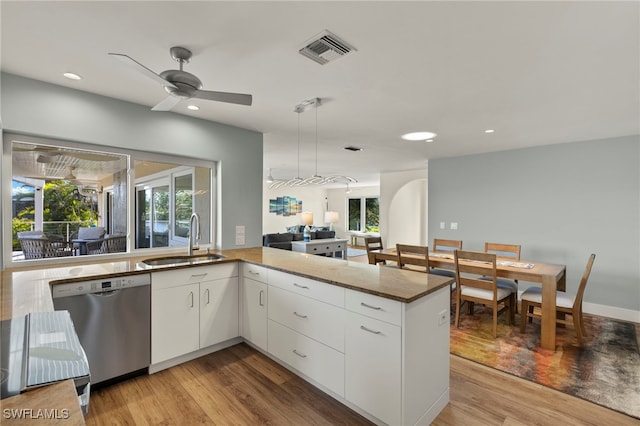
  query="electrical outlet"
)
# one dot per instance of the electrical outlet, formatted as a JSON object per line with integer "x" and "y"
{"x": 443, "y": 225}
{"x": 454, "y": 226}
{"x": 443, "y": 317}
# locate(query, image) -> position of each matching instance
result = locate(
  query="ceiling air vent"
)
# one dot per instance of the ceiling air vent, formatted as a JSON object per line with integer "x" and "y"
{"x": 326, "y": 47}
{"x": 353, "y": 148}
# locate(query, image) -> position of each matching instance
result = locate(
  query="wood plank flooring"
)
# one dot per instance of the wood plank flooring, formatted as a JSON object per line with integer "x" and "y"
{"x": 241, "y": 386}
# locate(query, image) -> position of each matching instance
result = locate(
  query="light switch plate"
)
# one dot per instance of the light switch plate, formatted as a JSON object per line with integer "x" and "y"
{"x": 454, "y": 226}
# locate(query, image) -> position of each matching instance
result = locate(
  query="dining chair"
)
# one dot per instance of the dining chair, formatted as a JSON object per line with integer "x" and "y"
{"x": 414, "y": 258}
{"x": 477, "y": 283}
{"x": 373, "y": 244}
{"x": 565, "y": 303}
{"x": 445, "y": 246}
{"x": 505, "y": 252}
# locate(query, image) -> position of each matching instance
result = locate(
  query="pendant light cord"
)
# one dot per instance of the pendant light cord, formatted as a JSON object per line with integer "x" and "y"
{"x": 316, "y": 138}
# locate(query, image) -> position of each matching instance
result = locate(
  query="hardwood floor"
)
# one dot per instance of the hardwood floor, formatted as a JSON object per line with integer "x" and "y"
{"x": 241, "y": 386}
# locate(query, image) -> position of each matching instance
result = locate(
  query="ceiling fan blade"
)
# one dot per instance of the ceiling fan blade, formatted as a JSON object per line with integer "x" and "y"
{"x": 232, "y": 98}
{"x": 168, "y": 103}
{"x": 141, "y": 68}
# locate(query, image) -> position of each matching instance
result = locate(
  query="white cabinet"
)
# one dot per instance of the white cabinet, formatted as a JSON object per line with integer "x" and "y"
{"x": 253, "y": 304}
{"x": 306, "y": 327}
{"x": 373, "y": 363}
{"x": 174, "y": 321}
{"x": 218, "y": 311}
{"x": 192, "y": 308}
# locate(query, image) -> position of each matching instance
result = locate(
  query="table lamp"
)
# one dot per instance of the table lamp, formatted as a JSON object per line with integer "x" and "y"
{"x": 331, "y": 217}
{"x": 307, "y": 220}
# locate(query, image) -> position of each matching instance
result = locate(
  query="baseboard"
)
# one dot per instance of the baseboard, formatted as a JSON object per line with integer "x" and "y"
{"x": 611, "y": 312}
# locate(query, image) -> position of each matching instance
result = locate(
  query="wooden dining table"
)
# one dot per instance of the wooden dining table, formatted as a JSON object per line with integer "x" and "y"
{"x": 552, "y": 277}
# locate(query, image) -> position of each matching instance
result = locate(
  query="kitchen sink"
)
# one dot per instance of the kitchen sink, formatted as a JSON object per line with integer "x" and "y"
{"x": 182, "y": 260}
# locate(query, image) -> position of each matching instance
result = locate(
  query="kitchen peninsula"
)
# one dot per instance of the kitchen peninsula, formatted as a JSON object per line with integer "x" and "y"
{"x": 392, "y": 363}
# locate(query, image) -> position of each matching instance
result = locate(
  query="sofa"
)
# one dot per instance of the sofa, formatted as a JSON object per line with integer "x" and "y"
{"x": 283, "y": 240}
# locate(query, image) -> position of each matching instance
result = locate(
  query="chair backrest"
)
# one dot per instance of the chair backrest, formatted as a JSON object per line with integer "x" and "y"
{"x": 39, "y": 248}
{"x": 583, "y": 282}
{"x": 503, "y": 251}
{"x": 115, "y": 243}
{"x": 481, "y": 265}
{"x": 92, "y": 233}
{"x": 417, "y": 256}
{"x": 373, "y": 243}
{"x": 446, "y": 245}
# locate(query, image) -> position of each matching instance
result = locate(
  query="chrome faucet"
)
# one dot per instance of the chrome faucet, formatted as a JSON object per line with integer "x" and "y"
{"x": 193, "y": 239}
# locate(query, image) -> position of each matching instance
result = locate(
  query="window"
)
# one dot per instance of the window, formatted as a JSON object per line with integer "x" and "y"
{"x": 364, "y": 214}
{"x": 60, "y": 187}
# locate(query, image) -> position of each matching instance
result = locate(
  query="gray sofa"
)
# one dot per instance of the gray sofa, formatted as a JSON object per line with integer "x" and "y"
{"x": 283, "y": 240}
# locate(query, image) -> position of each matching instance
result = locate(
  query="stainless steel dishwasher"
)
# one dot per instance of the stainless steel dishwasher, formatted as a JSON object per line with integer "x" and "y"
{"x": 112, "y": 318}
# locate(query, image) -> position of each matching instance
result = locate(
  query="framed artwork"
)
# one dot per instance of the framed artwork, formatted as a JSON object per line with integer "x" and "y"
{"x": 285, "y": 206}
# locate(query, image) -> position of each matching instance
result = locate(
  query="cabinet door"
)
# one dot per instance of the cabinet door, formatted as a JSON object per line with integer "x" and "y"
{"x": 174, "y": 322}
{"x": 373, "y": 363}
{"x": 218, "y": 311}
{"x": 254, "y": 312}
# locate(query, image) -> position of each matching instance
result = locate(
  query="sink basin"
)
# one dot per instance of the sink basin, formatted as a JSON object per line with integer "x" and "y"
{"x": 182, "y": 260}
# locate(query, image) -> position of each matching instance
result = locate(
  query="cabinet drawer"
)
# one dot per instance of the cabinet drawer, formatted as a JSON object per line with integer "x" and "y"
{"x": 374, "y": 306}
{"x": 307, "y": 287}
{"x": 196, "y": 274}
{"x": 311, "y": 358}
{"x": 373, "y": 367}
{"x": 255, "y": 272}
{"x": 318, "y": 320}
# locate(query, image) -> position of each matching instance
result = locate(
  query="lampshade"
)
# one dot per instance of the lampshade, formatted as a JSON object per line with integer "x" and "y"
{"x": 307, "y": 218}
{"x": 331, "y": 217}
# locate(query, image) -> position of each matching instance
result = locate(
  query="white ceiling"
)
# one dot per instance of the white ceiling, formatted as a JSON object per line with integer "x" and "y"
{"x": 537, "y": 72}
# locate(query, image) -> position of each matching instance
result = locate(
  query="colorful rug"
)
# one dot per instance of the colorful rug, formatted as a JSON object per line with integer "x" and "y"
{"x": 606, "y": 371}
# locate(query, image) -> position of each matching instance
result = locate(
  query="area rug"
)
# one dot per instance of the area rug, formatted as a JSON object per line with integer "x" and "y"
{"x": 605, "y": 371}
{"x": 355, "y": 252}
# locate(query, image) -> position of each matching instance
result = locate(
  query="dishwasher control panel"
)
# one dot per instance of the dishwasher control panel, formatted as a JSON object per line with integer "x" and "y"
{"x": 100, "y": 285}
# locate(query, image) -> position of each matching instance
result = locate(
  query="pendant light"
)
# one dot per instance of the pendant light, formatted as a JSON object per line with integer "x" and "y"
{"x": 316, "y": 179}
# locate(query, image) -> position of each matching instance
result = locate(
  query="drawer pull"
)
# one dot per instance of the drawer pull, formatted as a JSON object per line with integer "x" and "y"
{"x": 369, "y": 330}
{"x": 254, "y": 273}
{"x": 301, "y": 286}
{"x": 299, "y": 354}
{"x": 198, "y": 275}
{"x": 377, "y": 308}
{"x": 298, "y": 315}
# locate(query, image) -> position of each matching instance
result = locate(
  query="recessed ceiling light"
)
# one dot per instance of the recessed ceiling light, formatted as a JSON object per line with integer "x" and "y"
{"x": 489, "y": 131}
{"x": 418, "y": 136}
{"x": 72, "y": 76}
{"x": 193, "y": 107}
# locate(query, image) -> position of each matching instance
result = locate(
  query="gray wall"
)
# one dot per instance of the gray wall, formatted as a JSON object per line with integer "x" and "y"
{"x": 40, "y": 109}
{"x": 560, "y": 202}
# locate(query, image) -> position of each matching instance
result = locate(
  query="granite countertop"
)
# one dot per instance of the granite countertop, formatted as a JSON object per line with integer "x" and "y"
{"x": 26, "y": 289}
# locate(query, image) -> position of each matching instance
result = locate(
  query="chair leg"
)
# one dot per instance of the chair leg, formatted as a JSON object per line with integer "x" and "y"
{"x": 530, "y": 314}
{"x": 578, "y": 327}
{"x": 458, "y": 303}
{"x": 523, "y": 315}
{"x": 495, "y": 320}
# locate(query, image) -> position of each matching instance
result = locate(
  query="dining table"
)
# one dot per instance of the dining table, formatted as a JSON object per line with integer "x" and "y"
{"x": 552, "y": 278}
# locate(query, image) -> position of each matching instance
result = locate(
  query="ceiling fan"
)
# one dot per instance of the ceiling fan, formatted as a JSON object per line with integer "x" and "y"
{"x": 181, "y": 84}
